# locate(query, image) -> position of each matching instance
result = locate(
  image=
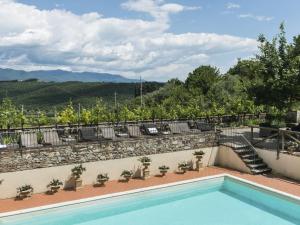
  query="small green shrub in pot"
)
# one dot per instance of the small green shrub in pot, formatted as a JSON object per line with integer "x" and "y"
{"x": 163, "y": 170}
{"x": 77, "y": 171}
{"x": 183, "y": 167}
{"x": 127, "y": 174}
{"x": 102, "y": 178}
{"x": 199, "y": 155}
{"x": 146, "y": 161}
{"x": 54, "y": 185}
{"x": 24, "y": 191}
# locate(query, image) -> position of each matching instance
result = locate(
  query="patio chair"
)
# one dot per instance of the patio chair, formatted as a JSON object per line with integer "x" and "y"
{"x": 88, "y": 134}
{"x": 134, "y": 130}
{"x": 51, "y": 137}
{"x": 204, "y": 126}
{"x": 184, "y": 127}
{"x": 29, "y": 140}
{"x": 175, "y": 128}
{"x": 150, "y": 129}
{"x": 108, "y": 133}
{"x": 2, "y": 145}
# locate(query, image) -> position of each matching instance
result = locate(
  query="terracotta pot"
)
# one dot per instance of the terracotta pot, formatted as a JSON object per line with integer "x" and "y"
{"x": 127, "y": 178}
{"x": 25, "y": 194}
{"x": 101, "y": 182}
{"x": 163, "y": 172}
{"x": 54, "y": 188}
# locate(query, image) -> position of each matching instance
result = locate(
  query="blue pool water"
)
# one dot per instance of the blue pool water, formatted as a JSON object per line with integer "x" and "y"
{"x": 216, "y": 201}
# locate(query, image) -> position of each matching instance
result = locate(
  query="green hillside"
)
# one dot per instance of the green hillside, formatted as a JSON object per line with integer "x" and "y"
{"x": 47, "y": 95}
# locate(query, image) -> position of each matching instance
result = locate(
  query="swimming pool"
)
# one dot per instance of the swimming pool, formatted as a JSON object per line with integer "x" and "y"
{"x": 213, "y": 200}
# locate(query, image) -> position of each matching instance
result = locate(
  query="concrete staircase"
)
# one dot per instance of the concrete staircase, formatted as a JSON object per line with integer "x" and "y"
{"x": 249, "y": 156}
{"x": 238, "y": 141}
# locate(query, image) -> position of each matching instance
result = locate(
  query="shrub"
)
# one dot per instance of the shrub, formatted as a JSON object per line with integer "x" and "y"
{"x": 24, "y": 188}
{"x": 199, "y": 153}
{"x": 145, "y": 159}
{"x": 126, "y": 173}
{"x": 77, "y": 171}
{"x": 164, "y": 167}
{"x": 102, "y": 176}
{"x": 184, "y": 166}
{"x": 55, "y": 182}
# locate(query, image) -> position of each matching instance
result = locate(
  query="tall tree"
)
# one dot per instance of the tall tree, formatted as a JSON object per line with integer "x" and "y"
{"x": 202, "y": 79}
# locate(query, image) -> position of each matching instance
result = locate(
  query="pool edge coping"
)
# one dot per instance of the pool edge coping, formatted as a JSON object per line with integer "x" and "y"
{"x": 122, "y": 193}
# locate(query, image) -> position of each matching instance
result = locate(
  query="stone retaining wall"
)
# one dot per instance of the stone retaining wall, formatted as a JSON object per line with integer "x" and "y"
{"x": 27, "y": 159}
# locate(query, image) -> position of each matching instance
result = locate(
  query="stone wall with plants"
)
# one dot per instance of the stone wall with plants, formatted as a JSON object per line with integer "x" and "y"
{"x": 27, "y": 159}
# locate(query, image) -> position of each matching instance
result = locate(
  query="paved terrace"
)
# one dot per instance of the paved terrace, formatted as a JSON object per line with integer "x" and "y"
{"x": 272, "y": 181}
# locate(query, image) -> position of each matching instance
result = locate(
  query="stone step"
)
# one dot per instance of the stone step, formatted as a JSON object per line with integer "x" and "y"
{"x": 240, "y": 147}
{"x": 253, "y": 160}
{"x": 244, "y": 151}
{"x": 257, "y": 165}
{"x": 261, "y": 171}
{"x": 246, "y": 156}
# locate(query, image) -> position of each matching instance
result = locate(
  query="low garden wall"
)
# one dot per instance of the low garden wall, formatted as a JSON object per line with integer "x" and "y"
{"x": 286, "y": 165}
{"x": 38, "y": 167}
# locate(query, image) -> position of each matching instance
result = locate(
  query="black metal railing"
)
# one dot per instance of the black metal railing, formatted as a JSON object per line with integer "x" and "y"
{"x": 45, "y": 136}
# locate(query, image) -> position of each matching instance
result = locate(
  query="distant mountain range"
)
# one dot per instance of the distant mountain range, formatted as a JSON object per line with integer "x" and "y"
{"x": 62, "y": 76}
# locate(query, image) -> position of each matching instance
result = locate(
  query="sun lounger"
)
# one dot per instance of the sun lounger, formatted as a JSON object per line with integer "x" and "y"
{"x": 134, "y": 130}
{"x": 51, "y": 137}
{"x": 29, "y": 140}
{"x": 184, "y": 127}
{"x": 88, "y": 134}
{"x": 175, "y": 128}
{"x": 108, "y": 133}
{"x": 2, "y": 145}
{"x": 204, "y": 126}
{"x": 150, "y": 129}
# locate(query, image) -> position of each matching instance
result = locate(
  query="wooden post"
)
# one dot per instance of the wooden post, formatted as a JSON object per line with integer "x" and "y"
{"x": 282, "y": 141}
{"x": 278, "y": 141}
{"x": 251, "y": 134}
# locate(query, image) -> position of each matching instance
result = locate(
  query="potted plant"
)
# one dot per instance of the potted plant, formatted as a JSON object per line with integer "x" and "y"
{"x": 163, "y": 170}
{"x": 54, "y": 185}
{"x": 102, "y": 178}
{"x": 199, "y": 155}
{"x": 127, "y": 174}
{"x": 24, "y": 191}
{"x": 183, "y": 167}
{"x": 146, "y": 161}
{"x": 76, "y": 174}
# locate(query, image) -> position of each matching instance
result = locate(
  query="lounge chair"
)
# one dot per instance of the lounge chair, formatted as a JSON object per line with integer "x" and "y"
{"x": 88, "y": 134}
{"x": 204, "y": 126}
{"x": 175, "y": 128}
{"x": 184, "y": 127}
{"x": 121, "y": 131}
{"x": 29, "y": 140}
{"x": 134, "y": 130}
{"x": 150, "y": 129}
{"x": 108, "y": 133}
{"x": 2, "y": 145}
{"x": 51, "y": 137}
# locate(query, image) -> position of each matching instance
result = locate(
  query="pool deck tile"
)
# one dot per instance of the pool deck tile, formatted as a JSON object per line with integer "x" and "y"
{"x": 272, "y": 181}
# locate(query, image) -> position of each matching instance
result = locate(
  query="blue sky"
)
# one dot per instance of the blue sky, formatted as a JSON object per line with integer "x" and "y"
{"x": 158, "y": 39}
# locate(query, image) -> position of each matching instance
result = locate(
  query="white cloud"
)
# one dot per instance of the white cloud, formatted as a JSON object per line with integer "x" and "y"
{"x": 33, "y": 39}
{"x": 255, "y": 17}
{"x": 231, "y": 5}
{"x": 158, "y": 9}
